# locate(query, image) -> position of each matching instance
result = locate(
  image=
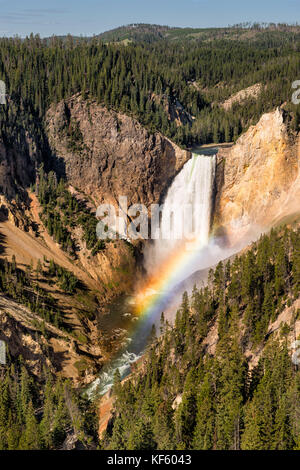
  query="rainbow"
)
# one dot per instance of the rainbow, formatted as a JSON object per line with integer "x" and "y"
{"x": 158, "y": 290}
{"x": 149, "y": 301}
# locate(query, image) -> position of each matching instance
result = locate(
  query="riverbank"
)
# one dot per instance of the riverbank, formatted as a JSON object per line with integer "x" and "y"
{"x": 210, "y": 149}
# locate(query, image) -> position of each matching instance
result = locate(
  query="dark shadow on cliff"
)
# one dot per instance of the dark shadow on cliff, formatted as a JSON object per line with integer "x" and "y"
{"x": 2, "y": 243}
{"x": 3, "y": 218}
{"x": 25, "y": 146}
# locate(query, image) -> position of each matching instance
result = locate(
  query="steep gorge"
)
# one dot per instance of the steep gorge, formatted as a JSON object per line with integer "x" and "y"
{"x": 102, "y": 155}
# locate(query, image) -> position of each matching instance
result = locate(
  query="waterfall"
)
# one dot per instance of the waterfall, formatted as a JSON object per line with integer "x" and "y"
{"x": 186, "y": 212}
{"x": 188, "y": 205}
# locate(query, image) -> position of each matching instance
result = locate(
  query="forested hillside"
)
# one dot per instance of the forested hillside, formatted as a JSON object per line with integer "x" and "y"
{"x": 143, "y": 32}
{"x": 41, "y": 414}
{"x": 235, "y": 389}
{"x": 62, "y": 213}
{"x": 144, "y": 80}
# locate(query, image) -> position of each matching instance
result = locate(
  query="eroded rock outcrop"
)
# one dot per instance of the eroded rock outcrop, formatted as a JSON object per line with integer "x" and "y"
{"x": 174, "y": 109}
{"x": 252, "y": 91}
{"x": 258, "y": 179}
{"x": 107, "y": 154}
{"x": 46, "y": 346}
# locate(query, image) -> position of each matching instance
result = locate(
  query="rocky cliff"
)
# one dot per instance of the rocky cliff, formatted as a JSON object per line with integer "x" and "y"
{"x": 258, "y": 179}
{"x": 49, "y": 347}
{"x": 102, "y": 154}
{"x": 107, "y": 154}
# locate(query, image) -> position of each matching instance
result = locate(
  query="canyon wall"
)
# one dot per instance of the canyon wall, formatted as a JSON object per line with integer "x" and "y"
{"x": 107, "y": 154}
{"x": 258, "y": 178}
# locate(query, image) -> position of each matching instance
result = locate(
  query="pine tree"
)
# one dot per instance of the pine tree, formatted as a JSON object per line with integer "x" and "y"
{"x": 30, "y": 439}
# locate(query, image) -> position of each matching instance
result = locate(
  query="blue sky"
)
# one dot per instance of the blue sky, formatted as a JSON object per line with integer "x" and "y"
{"x": 88, "y": 17}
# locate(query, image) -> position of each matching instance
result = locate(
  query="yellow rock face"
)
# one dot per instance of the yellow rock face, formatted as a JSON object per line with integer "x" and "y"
{"x": 260, "y": 180}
